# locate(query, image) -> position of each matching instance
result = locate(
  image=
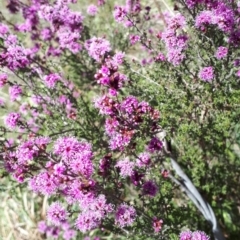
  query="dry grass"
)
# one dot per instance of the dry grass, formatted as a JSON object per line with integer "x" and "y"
{"x": 20, "y": 211}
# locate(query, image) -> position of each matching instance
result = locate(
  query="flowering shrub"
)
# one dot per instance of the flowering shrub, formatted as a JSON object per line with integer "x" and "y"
{"x": 110, "y": 117}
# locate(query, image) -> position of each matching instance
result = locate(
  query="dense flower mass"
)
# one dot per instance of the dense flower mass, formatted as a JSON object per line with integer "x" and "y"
{"x": 144, "y": 159}
{"x": 3, "y": 79}
{"x": 125, "y": 215}
{"x": 197, "y": 235}
{"x": 150, "y": 188}
{"x": 76, "y": 154}
{"x": 97, "y": 47}
{"x": 12, "y": 120}
{"x": 120, "y": 13}
{"x": 175, "y": 43}
{"x": 56, "y": 213}
{"x": 92, "y": 10}
{"x": 51, "y": 79}
{"x": 155, "y": 145}
{"x": 126, "y": 167}
{"x": 15, "y": 91}
{"x": 221, "y": 52}
{"x": 81, "y": 97}
{"x": 206, "y": 74}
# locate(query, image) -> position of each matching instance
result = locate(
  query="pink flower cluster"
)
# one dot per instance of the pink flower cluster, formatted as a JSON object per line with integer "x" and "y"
{"x": 124, "y": 118}
{"x": 125, "y": 215}
{"x": 206, "y": 74}
{"x": 15, "y": 91}
{"x": 54, "y": 232}
{"x": 97, "y": 48}
{"x": 68, "y": 173}
{"x": 134, "y": 39}
{"x": 51, "y": 79}
{"x": 3, "y": 79}
{"x": 92, "y": 10}
{"x": 57, "y": 214}
{"x": 175, "y": 43}
{"x": 197, "y": 235}
{"x": 12, "y": 120}
{"x": 219, "y": 14}
{"x": 122, "y": 14}
{"x": 65, "y": 23}
{"x": 109, "y": 76}
{"x": 13, "y": 55}
{"x": 221, "y": 52}
{"x": 93, "y": 212}
{"x": 18, "y": 162}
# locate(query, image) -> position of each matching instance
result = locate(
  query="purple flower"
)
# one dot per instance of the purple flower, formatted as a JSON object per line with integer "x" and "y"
{"x": 118, "y": 58}
{"x": 99, "y": 205}
{"x": 206, "y": 74}
{"x": 68, "y": 39}
{"x": 221, "y": 52}
{"x": 43, "y": 183}
{"x": 199, "y": 235}
{"x": 120, "y": 140}
{"x": 92, "y": 10}
{"x": 134, "y": 39}
{"x": 133, "y": 7}
{"x": 46, "y": 34}
{"x": 144, "y": 160}
{"x": 76, "y": 154}
{"x": 3, "y": 79}
{"x": 53, "y": 232}
{"x": 27, "y": 151}
{"x": 119, "y": 13}
{"x": 160, "y": 57}
{"x": 125, "y": 215}
{"x": 204, "y": 18}
{"x": 15, "y": 57}
{"x": 15, "y": 91}
{"x": 191, "y": 3}
{"x": 81, "y": 163}
{"x": 19, "y": 174}
{"x": 104, "y": 165}
{"x": 175, "y": 43}
{"x": 224, "y": 17}
{"x": 101, "y": 2}
{"x": 136, "y": 177}
{"x": 56, "y": 213}
{"x": 68, "y": 147}
{"x": 129, "y": 104}
{"x": 177, "y": 22}
{"x": 111, "y": 125}
{"x": 69, "y": 234}
{"x": 97, "y": 47}
{"x": 87, "y": 221}
{"x": 186, "y": 235}
{"x": 126, "y": 167}
{"x": 157, "y": 224}
{"x": 106, "y": 105}
{"x": 236, "y": 63}
{"x": 238, "y": 73}
{"x": 42, "y": 227}
{"x": 3, "y": 29}
{"x": 175, "y": 56}
{"x": 51, "y": 79}
{"x": 150, "y": 188}
{"x": 12, "y": 120}
{"x": 155, "y": 145}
